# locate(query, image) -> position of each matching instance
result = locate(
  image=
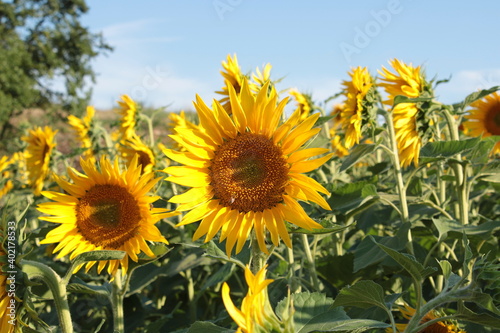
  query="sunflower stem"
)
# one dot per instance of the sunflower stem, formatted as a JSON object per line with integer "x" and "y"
{"x": 460, "y": 172}
{"x": 117, "y": 296}
{"x": 398, "y": 173}
{"x": 257, "y": 258}
{"x": 39, "y": 271}
{"x": 310, "y": 261}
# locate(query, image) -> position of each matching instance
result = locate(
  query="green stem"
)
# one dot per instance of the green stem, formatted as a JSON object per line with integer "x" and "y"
{"x": 310, "y": 261}
{"x": 117, "y": 296}
{"x": 398, "y": 173}
{"x": 257, "y": 258}
{"x": 39, "y": 271}
{"x": 460, "y": 172}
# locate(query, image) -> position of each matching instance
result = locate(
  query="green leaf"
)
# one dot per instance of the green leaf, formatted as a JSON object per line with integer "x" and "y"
{"x": 353, "y": 197}
{"x": 92, "y": 256}
{"x": 471, "y": 98}
{"x": 405, "y": 99}
{"x": 158, "y": 249}
{"x": 79, "y": 286}
{"x": 221, "y": 275}
{"x": 440, "y": 150}
{"x": 328, "y": 228}
{"x": 312, "y": 312}
{"x": 357, "y": 153}
{"x": 364, "y": 294}
{"x": 355, "y": 326}
{"x": 215, "y": 251}
{"x": 451, "y": 279}
{"x": 412, "y": 266}
{"x": 207, "y": 327}
{"x": 466, "y": 314}
{"x": 322, "y": 120}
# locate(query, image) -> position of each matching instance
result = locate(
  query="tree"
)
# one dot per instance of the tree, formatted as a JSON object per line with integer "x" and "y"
{"x": 43, "y": 44}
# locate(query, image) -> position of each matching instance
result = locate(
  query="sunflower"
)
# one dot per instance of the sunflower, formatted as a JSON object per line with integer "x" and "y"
{"x": 304, "y": 103}
{"x": 104, "y": 210}
{"x": 83, "y": 129}
{"x": 7, "y": 299}
{"x": 232, "y": 77}
{"x": 128, "y": 112}
{"x": 410, "y": 122}
{"x": 484, "y": 119}
{"x": 355, "y": 112}
{"x": 134, "y": 146}
{"x": 246, "y": 171}
{"x": 37, "y": 154}
{"x": 256, "y": 314}
{"x": 6, "y": 186}
{"x": 259, "y": 78}
{"x": 438, "y": 327}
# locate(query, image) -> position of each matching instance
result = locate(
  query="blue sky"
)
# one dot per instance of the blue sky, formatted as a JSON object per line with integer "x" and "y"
{"x": 168, "y": 51}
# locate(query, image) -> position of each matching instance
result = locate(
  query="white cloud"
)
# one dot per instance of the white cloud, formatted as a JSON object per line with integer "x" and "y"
{"x": 467, "y": 81}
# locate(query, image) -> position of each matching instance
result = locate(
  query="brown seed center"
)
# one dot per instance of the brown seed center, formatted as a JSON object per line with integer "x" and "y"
{"x": 249, "y": 173}
{"x": 108, "y": 216}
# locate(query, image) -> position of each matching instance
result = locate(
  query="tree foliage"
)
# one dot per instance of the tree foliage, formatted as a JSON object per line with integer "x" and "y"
{"x": 44, "y": 46}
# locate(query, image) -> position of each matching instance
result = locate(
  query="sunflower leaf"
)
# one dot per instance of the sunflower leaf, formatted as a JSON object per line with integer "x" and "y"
{"x": 322, "y": 120}
{"x": 405, "y": 99}
{"x": 207, "y": 327}
{"x": 412, "y": 266}
{"x": 364, "y": 294}
{"x": 357, "y": 153}
{"x": 440, "y": 150}
{"x": 92, "y": 256}
{"x": 79, "y": 286}
{"x": 314, "y": 312}
{"x": 471, "y": 98}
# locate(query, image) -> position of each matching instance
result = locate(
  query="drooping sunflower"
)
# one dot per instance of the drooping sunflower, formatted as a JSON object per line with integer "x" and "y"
{"x": 355, "y": 112}
{"x": 134, "y": 146}
{"x": 304, "y": 103}
{"x": 7, "y": 300}
{"x": 336, "y": 141}
{"x": 246, "y": 170}
{"x": 484, "y": 119}
{"x": 37, "y": 155}
{"x": 83, "y": 129}
{"x": 5, "y": 184}
{"x": 439, "y": 327}
{"x": 256, "y": 314}
{"x": 232, "y": 77}
{"x": 128, "y": 112}
{"x": 410, "y": 122}
{"x": 104, "y": 210}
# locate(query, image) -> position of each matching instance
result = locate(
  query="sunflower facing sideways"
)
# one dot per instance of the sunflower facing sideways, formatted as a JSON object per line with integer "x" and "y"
{"x": 484, "y": 119}
{"x": 37, "y": 156}
{"x": 411, "y": 123}
{"x": 232, "y": 77}
{"x": 245, "y": 170}
{"x": 104, "y": 210}
{"x": 83, "y": 131}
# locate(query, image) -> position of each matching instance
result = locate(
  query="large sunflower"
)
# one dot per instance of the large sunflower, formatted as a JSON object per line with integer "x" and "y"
{"x": 128, "y": 112}
{"x": 438, "y": 327}
{"x": 232, "y": 77}
{"x": 83, "y": 129}
{"x": 484, "y": 119}
{"x": 37, "y": 154}
{"x": 104, "y": 210}
{"x": 134, "y": 145}
{"x": 246, "y": 170}
{"x": 354, "y": 113}
{"x": 407, "y": 81}
{"x": 256, "y": 314}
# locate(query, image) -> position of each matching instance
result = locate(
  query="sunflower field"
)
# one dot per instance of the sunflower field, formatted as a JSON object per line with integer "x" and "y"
{"x": 376, "y": 210}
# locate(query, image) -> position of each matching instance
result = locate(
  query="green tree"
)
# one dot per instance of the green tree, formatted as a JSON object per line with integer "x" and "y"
{"x": 43, "y": 43}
